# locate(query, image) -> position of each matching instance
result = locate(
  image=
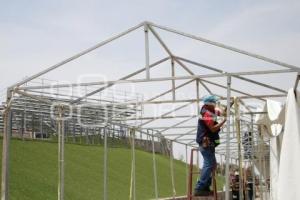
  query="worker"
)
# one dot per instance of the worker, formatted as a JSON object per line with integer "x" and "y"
{"x": 235, "y": 186}
{"x": 208, "y": 138}
{"x": 249, "y": 184}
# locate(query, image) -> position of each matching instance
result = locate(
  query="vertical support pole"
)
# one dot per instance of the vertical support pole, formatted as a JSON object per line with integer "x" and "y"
{"x": 238, "y": 132}
{"x": 233, "y": 127}
{"x": 61, "y": 153}
{"x": 80, "y": 135}
{"x": 264, "y": 168}
{"x": 221, "y": 165}
{"x": 94, "y": 133}
{"x": 87, "y": 139}
{"x": 74, "y": 130}
{"x": 132, "y": 184}
{"x": 66, "y": 126}
{"x": 25, "y": 122}
{"x": 73, "y": 118}
{"x": 197, "y": 160}
{"x": 22, "y": 125}
{"x": 227, "y": 139}
{"x": 41, "y": 114}
{"x": 32, "y": 126}
{"x": 5, "y": 151}
{"x": 260, "y": 164}
{"x": 297, "y": 82}
{"x": 133, "y": 162}
{"x": 154, "y": 167}
{"x": 189, "y": 194}
{"x": 215, "y": 192}
{"x": 265, "y": 177}
{"x": 105, "y": 165}
{"x": 147, "y": 51}
{"x": 173, "y": 81}
{"x": 172, "y": 168}
{"x": 252, "y": 153}
{"x": 41, "y": 126}
{"x": 197, "y": 96}
{"x": 186, "y": 168}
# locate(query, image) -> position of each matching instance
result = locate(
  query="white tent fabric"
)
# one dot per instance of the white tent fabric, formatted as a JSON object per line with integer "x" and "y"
{"x": 275, "y": 147}
{"x": 289, "y": 168}
{"x": 272, "y": 126}
{"x": 274, "y": 120}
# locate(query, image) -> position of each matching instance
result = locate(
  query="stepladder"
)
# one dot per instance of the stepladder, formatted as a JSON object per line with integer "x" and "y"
{"x": 193, "y": 171}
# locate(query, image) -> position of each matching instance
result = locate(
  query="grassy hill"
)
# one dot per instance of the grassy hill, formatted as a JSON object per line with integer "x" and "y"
{"x": 33, "y": 174}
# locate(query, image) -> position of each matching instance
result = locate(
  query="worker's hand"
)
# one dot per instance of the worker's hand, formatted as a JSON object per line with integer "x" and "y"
{"x": 223, "y": 122}
{"x": 224, "y": 114}
{"x": 225, "y": 110}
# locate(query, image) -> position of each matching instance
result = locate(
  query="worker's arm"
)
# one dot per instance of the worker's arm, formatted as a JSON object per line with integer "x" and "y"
{"x": 208, "y": 119}
{"x": 215, "y": 128}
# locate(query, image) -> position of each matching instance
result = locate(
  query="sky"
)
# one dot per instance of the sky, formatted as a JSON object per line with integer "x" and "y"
{"x": 37, "y": 34}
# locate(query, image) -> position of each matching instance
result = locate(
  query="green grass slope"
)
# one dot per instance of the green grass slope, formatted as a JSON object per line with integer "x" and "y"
{"x": 33, "y": 172}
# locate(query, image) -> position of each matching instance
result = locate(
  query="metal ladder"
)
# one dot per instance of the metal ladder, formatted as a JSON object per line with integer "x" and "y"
{"x": 192, "y": 172}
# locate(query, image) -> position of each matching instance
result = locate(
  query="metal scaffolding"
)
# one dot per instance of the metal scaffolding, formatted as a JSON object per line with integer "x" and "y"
{"x": 32, "y": 108}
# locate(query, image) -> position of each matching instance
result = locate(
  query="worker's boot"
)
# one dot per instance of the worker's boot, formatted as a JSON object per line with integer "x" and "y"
{"x": 209, "y": 191}
{"x": 207, "y": 188}
{"x": 201, "y": 193}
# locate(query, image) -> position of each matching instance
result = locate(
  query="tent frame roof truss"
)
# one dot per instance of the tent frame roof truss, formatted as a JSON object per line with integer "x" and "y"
{"x": 21, "y": 88}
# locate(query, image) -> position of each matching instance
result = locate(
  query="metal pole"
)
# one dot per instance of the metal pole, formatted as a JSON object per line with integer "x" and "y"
{"x": 260, "y": 165}
{"x": 168, "y": 91}
{"x": 174, "y": 58}
{"x": 41, "y": 115}
{"x": 5, "y": 152}
{"x": 252, "y": 153}
{"x": 187, "y": 168}
{"x": 264, "y": 170}
{"x": 25, "y": 121}
{"x": 32, "y": 126}
{"x": 61, "y": 154}
{"x": 221, "y": 164}
{"x": 297, "y": 82}
{"x": 175, "y": 125}
{"x": 147, "y": 51}
{"x": 197, "y": 96}
{"x": 123, "y": 78}
{"x": 172, "y": 168}
{"x": 105, "y": 166}
{"x": 77, "y": 55}
{"x": 41, "y": 126}
{"x": 232, "y": 89}
{"x": 238, "y": 131}
{"x": 154, "y": 167}
{"x": 227, "y": 139}
{"x": 227, "y": 47}
{"x": 158, "y": 79}
{"x": 173, "y": 81}
{"x": 25, "y": 118}
{"x": 235, "y": 76}
{"x": 133, "y": 189}
{"x": 167, "y": 113}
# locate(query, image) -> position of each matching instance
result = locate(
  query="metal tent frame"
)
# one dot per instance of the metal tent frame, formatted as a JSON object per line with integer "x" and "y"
{"x": 228, "y": 149}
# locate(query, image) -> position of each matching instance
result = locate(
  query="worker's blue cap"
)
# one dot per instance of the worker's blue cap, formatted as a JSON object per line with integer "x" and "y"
{"x": 210, "y": 99}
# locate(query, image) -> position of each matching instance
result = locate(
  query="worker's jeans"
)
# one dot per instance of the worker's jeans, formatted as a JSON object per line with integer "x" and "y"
{"x": 209, "y": 164}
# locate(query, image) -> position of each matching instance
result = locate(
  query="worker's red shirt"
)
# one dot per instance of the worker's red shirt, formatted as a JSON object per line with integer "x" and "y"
{"x": 209, "y": 115}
